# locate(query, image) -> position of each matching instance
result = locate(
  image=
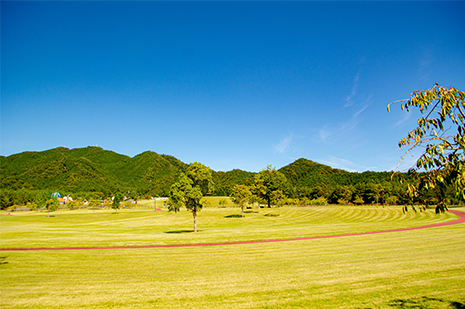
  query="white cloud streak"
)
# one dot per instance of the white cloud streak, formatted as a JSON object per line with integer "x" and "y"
{"x": 326, "y": 134}
{"x": 425, "y": 61}
{"x": 336, "y": 162}
{"x": 403, "y": 120}
{"x": 354, "y": 90}
{"x": 283, "y": 145}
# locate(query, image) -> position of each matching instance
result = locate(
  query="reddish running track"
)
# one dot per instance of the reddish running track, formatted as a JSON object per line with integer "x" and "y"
{"x": 460, "y": 214}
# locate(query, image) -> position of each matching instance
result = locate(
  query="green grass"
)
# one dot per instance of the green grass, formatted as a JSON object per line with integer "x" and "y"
{"x": 411, "y": 269}
{"x": 139, "y": 227}
{"x": 218, "y": 201}
{"x": 210, "y": 201}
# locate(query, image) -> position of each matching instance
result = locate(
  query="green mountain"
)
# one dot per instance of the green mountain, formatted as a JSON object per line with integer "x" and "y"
{"x": 90, "y": 169}
{"x": 95, "y": 172}
{"x": 306, "y": 173}
{"x": 150, "y": 173}
{"x": 225, "y": 181}
{"x": 93, "y": 169}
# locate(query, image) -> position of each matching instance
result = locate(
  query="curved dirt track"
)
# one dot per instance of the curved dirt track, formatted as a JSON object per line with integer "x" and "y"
{"x": 460, "y": 214}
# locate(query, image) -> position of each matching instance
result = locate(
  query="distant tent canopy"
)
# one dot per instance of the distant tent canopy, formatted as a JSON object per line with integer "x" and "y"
{"x": 56, "y": 194}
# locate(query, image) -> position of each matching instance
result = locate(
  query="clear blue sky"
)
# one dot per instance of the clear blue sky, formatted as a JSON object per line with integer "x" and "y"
{"x": 228, "y": 84}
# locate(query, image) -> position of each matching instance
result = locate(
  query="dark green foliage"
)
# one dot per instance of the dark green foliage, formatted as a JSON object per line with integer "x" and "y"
{"x": 51, "y": 205}
{"x": 61, "y": 169}
{"x": 150, "y": 174}
{"x": 36, "y": 198}
{"x": 270, "y": 180}
{"x": 190, "y": 187}
{"x": 225, "y": 181}
{"x": 95, "y": 173}
{"x": 117, "y": 199}
{"x": 312, "y": 180}
{"x": 89, "y": 172}
{"x": 306, "y": 173}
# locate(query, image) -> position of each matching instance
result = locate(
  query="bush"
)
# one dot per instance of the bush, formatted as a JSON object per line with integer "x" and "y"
{"x": 392, "y": 200}
{"x": 319, "y": 201}
{"x": 305, "y": 201}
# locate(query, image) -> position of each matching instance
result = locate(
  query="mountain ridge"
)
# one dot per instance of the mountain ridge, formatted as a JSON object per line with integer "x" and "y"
{"x": 94, "y": 169}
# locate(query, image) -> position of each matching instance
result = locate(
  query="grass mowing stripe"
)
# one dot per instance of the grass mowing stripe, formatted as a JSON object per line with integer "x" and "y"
{"x": 165, "y": 228}
{"x": 370, "y": 271}
{"x": 226, "y": 242}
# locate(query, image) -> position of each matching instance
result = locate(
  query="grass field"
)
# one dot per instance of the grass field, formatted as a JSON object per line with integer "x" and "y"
{"x": 207, "y": 200}
{"x": 411, "y": 269}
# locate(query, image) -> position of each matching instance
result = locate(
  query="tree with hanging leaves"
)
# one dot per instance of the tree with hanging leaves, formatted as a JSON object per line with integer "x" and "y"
{"x": 441, "y": 131}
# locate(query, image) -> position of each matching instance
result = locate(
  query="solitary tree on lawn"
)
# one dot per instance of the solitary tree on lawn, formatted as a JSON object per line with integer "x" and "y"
{"x": 117, "y": 199}
{"x": 190, "y": 188}
{"x": 241, "y": 195}
{"x": 269, "y": 180}
{"x": 278, "y": 197}
{"x": 51, "y": 204}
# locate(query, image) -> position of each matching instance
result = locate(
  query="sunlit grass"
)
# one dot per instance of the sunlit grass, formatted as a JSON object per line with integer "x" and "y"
{"x": 422, "y": 268}
{"x": 141, "y": 227}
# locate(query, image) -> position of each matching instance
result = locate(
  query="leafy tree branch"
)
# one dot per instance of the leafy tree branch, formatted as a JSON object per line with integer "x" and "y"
{"x": 443, "y": 157}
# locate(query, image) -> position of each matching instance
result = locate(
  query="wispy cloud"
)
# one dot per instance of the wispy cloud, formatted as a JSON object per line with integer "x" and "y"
{"x": 425, "y": 61}
{"x": 330, "y": 133}
{"x": 403, "y": 120}
{"x": 324, "y": 133}
{"x": 354, "y": 90}
{"x": 340, "y": 163}
{"x": 284, "y": 144}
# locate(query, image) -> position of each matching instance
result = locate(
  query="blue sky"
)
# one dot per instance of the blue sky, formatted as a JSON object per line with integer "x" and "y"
{"x": 228, "y": 84}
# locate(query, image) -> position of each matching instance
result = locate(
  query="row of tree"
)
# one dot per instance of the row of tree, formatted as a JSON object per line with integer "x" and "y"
{"x": 438, "y": 177}
{"x": 43, "y": 199}
{"x": 96, "y": 173}
{"x": 271, "y": 187}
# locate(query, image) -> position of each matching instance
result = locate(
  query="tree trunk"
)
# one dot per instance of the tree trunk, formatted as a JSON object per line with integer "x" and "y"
{"x": 242, "y": 211}
{"x": 194, "y": 213}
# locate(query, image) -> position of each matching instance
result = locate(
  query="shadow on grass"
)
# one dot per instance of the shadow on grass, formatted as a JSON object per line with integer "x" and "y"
{"x": 180, "y": 232}
{"x": 271, "y": 215}
{"x": 457, "y": 305}
{"x": 2, "y": 258}
{"x": 425, "y": 303}
{"x": 233, "y": 216}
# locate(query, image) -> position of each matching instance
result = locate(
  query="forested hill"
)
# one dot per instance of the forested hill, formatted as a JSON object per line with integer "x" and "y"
{"x": 306, "y": 173}
{"x": 313, "y": 179}
{"x": 93, "y": 169}
{"x": 90, "y": 169}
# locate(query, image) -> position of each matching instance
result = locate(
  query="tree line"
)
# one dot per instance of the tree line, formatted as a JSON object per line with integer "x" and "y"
{"x": 438, "y": 178}
{"x": 303, "y": 182}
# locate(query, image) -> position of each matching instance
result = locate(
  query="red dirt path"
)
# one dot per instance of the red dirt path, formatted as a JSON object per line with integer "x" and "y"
{"x": 460, "y": 214}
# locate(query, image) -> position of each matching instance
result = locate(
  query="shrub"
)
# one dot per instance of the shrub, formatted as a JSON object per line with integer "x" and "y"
{"x": 319, "y": 201}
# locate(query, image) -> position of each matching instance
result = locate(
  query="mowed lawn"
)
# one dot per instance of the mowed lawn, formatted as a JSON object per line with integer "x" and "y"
{"x": 422, "y": 268}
